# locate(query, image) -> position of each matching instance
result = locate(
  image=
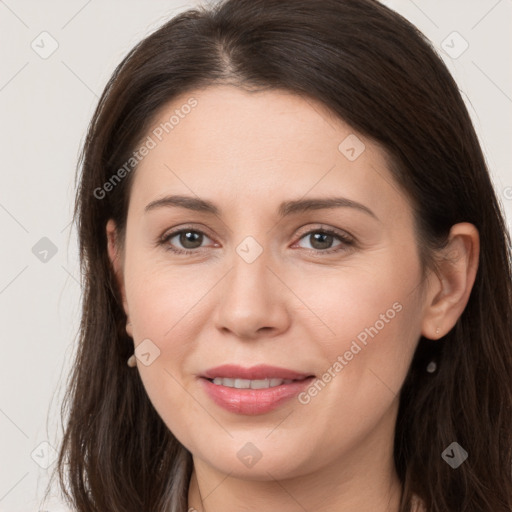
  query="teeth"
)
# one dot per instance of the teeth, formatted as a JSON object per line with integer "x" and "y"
{"x": 250, "y": 384}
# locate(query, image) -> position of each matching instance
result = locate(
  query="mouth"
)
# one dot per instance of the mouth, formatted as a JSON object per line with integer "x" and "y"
{"x": 253, "y": 383}
{"x": 255, "y": 390}
{"x": 261, "y": 372}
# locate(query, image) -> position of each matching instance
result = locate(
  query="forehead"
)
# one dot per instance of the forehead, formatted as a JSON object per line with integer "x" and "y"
{"x": 226, "y": 142}
{"x": 228, "y": 122}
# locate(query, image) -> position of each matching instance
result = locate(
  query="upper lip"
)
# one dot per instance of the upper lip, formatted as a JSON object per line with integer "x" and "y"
{"x": 261, "y": 371}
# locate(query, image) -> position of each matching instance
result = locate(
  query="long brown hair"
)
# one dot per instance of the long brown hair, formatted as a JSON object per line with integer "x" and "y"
{"x": 376, "y": 71}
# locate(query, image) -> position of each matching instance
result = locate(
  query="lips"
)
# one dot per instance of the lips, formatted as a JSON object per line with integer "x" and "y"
{"x": 259, "y": 398}
{"x": 259, "y": 372}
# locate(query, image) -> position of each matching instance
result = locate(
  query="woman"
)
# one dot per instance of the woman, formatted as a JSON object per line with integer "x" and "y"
{"x": 288, "y": 230}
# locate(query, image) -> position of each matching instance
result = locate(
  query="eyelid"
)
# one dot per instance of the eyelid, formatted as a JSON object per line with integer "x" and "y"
{"x": 191, "y": 227}
{"x": 323, "y": 227}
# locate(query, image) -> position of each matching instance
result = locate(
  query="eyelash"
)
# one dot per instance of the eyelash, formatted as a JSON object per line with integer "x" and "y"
{"x": 345, "y": 239}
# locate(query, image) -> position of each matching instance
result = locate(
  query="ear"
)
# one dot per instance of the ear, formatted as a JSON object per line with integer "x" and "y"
{"x": 116, "y": 259}
{"x": 450, "y": 287}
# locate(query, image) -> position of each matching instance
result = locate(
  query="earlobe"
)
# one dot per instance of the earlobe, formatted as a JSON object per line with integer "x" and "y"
{"x": 456, "y": 273}
{"x": 116, "y": 259}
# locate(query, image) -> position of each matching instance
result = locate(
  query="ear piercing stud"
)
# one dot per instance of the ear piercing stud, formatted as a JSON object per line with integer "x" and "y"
{"x": 431, "y": 367}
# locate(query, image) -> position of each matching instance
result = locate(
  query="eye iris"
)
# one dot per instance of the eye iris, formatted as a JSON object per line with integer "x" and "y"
{"x": 193, "y": 237}
{"x": 324, "y": 238}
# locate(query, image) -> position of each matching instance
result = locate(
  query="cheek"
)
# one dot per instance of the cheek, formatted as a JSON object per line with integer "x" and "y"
{"x": 370, "y": 325}
{"x": 167, "y": 307}
{"x": 162, "y": 298}
{"x": 364, "y": 301}
{"x": 366, "y": 362}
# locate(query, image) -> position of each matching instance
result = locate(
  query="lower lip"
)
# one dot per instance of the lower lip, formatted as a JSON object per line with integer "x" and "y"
{"x": 253, "y": 401}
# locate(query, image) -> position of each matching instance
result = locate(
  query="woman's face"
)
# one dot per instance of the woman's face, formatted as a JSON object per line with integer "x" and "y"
{"x": 278, "y": 275}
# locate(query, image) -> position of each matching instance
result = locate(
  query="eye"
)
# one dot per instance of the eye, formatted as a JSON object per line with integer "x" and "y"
{"x": 321, "y": 240}
{"x": 190, "y": 240}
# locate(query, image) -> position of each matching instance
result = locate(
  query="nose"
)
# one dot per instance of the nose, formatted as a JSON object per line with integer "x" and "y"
{"x": 253, "y": 300}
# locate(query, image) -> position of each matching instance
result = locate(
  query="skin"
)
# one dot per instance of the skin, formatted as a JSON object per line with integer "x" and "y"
{"x": 294, "y": 306}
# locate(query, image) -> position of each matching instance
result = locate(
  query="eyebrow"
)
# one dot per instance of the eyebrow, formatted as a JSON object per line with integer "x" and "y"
{"x": 285, "y": 209}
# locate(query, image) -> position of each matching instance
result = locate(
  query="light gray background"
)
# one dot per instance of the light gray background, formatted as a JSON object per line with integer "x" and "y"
{"x": 45, "y": 106}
